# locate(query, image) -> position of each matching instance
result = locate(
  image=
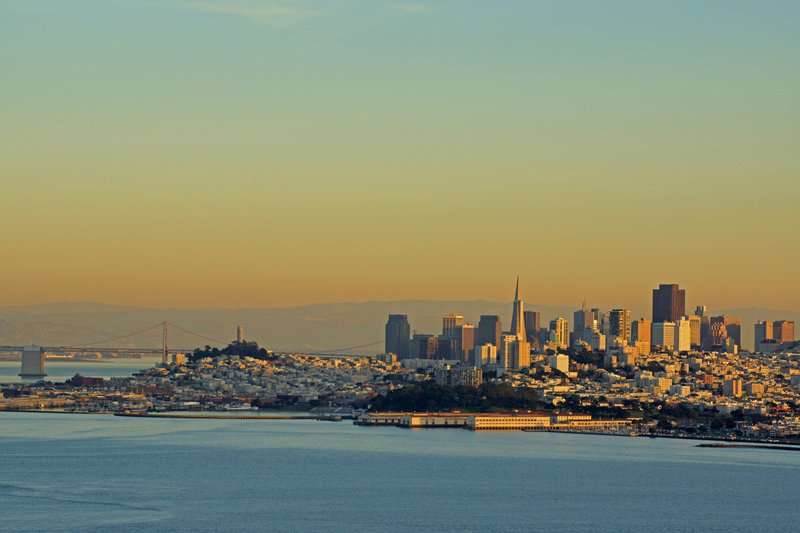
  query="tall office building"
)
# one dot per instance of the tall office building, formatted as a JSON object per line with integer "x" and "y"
{"x": 763, "y": 332}
{"x": 423, "y": 346}
{"x": 600, "y": 322}
{"x": 683, "y": 334}
{"x": 584, "y": 322}
{"x": 489, "y": 330}
{"x": 695, "y": 327}
{"x": 719, "y": 335}
{"x": 517, "y": 317}
{"x": 733, "y": 327}
{"x": 515, "y": 351}
{"x": 669, "y": 303}
{"x": 449, "y": 323}
{"x": 465, "y": 342}
{"x": 783, "y": 330}
{"x": 532, "y": 324}
{"x": 620, "y": 324}
{"x": 774, "y": 333}
{"x": 559, "y": 328}
{"x": 640, "y": 331}
{"x": 398, "y": 332}
{"x": 664, "y": 335}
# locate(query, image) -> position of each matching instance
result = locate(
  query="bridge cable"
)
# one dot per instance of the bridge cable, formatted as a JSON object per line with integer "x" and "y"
{"x": 86, "y": 345}
{"x": 352, "y": 347}
{"x": 216, "y": 341}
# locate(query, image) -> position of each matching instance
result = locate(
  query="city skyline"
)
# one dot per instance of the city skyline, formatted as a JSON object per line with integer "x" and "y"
{"x": 309, "y": 152}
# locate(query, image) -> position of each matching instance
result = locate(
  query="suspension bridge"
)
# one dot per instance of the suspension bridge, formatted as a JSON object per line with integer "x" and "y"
{"x": 108, "y": 345}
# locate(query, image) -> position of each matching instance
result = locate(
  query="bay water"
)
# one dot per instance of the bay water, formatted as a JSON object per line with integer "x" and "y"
{"x": 80, "y": 472}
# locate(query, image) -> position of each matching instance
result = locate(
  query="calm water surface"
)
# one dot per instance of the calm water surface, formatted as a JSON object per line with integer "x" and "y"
{"x": 98, "y": 473}
{"x": 59, "y": 371}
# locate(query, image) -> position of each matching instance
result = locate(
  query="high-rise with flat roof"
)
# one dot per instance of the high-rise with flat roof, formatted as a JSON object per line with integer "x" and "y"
{"x": 783, "y": 330}
{"x": 778, "y": 331}
{"x": 669, "y": 303}
{"x": 489, "y": 330}
{"x": 620, "y": 324}
{"x": 398, "y": 333}
{"x": 664, "y": 335}
{"x": 532, "y": 324}
{"x": 559, "y": 327}
{"x": 465, "y": 342}
{"x": 583, "y": 322}
{"x": 640, "y": 331}
{"x": 449, "y": 323}
{"x": 733, "y": 327}
{"x": 763, "y": 331}
{"x": 695, "y": 327}
{"x": 683, "y": 335}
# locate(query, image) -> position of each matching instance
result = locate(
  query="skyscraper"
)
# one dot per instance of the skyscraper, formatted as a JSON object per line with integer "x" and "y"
{"x": 640, "y": 334}
{"x": 423, "y": 346}
{"x": 532, "y": 320}
{"x": 779, "y": 331}
{"x": 398, "y": 333}
{"x": 683, "y": 335}
{"x": 664, "y": 335}
{"x": 733, "y": 327}
{"x": 465, "y": 342}
{"x": 583, "y": 324}
{"x": 620, "y": 324}
{"x": 559, "y": 328}
{"x": 783, "y": 330}
{"x": 449, "y": 323}
{"x": 669, "y": 303}
{"x": 763, "y": 332}
{"x": 517, "y": 317}
{"x": 489, "y": 330}
{"x": 695, "y": 327}
{"x": 515, "y": 351}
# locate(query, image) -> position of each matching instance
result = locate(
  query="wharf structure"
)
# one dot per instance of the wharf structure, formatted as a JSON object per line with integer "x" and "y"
{"x": 32, "y": 362}
{"x": 493, "y": 421}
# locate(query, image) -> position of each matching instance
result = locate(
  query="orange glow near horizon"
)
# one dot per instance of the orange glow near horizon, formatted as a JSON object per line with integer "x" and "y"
{"x": 334, "y": 158}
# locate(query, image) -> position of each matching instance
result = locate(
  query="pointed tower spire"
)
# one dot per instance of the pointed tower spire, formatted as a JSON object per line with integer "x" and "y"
{"x": 517, "y": 316}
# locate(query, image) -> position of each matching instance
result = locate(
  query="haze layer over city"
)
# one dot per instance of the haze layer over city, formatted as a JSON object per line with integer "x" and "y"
{"x": 259, "y": 154}
{"x": 254, "y": 251}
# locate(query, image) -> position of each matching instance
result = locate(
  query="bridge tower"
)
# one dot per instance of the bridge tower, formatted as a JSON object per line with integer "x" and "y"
{"x": 165, "y": 342}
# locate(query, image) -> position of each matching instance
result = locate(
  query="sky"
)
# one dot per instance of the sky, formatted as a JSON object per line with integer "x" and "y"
{"x": 245, "y": 153}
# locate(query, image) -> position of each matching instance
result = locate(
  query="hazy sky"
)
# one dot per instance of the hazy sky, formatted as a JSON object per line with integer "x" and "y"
{"x": 262, "y": 153}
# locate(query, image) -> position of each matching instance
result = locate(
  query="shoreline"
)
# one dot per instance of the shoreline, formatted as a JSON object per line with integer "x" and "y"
{"x": 706, "y": 442}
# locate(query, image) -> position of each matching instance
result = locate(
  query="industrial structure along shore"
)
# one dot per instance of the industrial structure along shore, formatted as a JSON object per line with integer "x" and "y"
{"x": 495, "y": 421}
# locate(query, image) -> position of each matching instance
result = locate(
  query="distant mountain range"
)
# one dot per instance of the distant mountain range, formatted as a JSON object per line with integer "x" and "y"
{"x": 317, "y": 327}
